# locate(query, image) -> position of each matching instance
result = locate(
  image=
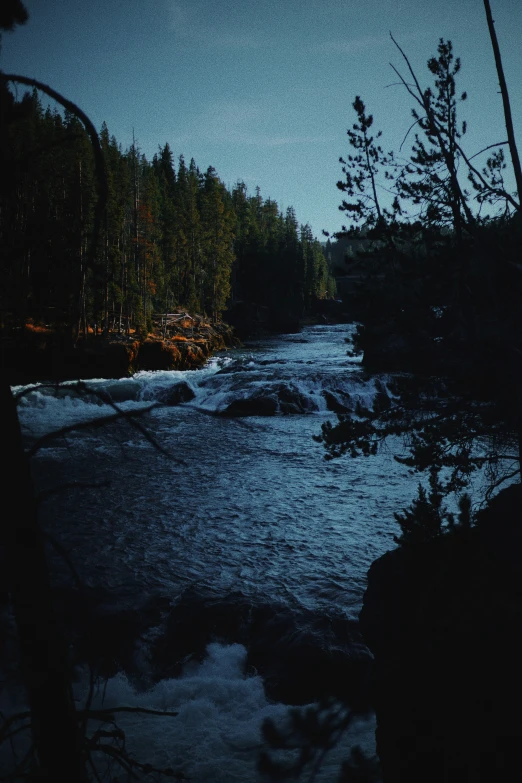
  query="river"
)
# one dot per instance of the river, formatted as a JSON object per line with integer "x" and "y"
{"x": 247, "y": 546}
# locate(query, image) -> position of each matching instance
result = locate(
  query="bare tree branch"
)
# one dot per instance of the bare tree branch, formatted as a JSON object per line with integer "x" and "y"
{"x": 83, "y": 425}
{"x": 408, "y": 132}
{"x": 484, "y": 182}
{"x": 489, "y": 147}
{"x": 107, "y": 714}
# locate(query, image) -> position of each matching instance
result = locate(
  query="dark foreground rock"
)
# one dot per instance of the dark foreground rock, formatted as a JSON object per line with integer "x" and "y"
{"x": 444, "y": 625}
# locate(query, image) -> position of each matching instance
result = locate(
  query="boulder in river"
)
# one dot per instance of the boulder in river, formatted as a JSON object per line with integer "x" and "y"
{"x": 174, "y": 395}
{"x": 291, "y": 400}
{"x": 122, "y": 390}
{"x": 333, "y": 403}
{"x": 283, "y": 399}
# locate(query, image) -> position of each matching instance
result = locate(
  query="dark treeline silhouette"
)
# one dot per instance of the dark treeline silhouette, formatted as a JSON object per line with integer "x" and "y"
{"x": 438, "y": 287}
{"x": 171, "y": 238}
{"x": 434, "y": 254}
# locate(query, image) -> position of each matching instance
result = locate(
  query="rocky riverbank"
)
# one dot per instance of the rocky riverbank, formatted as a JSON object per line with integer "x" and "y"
{"x": 36, "y": 353}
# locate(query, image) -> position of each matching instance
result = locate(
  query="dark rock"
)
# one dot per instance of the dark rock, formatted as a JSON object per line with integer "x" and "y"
{"x": 40, "y": 353}
{"x": 195, "y": 621}
{"x": 443, "y": 622}
{"x": 305, "y": 657}
{"x": 121, "y": 391}
{"x": 103, "y": 629}
{"x": 174, "y": 395}
{"x": 333, "y": 404}
{"x": 381, "y": 401}
{"x": 284, "y": 399}
{"x": 155, "y": 354}
{"x": 293, "y": 401}
{"x": 233, "y": 367}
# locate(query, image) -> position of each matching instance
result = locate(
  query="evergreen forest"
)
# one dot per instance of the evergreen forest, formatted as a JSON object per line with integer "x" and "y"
{"x": 171, "y": 238}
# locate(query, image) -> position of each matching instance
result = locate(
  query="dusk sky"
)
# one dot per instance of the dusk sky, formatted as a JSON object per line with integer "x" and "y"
{"x": 263, "y": 90}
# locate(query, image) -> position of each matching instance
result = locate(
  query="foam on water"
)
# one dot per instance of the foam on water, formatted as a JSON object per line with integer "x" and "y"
{"x": 44, "y": 408}
{"x": 254, "y": 508}
{"x": 290, "y": 365}
{"x": 217, "y": 733}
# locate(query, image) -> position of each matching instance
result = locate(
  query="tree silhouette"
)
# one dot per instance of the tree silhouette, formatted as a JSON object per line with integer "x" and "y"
{"x": 453, "y": 300}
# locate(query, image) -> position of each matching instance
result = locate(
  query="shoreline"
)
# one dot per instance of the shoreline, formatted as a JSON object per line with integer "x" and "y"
{"x": 34, "y": 353}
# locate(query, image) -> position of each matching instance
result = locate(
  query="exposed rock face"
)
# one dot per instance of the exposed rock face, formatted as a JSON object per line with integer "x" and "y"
{"x": 443, "y": 623}
{"x": 158, "y": 354}
{"x": 121, "y": 391}
{"x": 293, "y": 401}
{"x": 32, "y": 354}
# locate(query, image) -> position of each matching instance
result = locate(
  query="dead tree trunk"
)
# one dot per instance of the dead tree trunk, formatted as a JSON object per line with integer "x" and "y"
{"x": 515, "y": 159}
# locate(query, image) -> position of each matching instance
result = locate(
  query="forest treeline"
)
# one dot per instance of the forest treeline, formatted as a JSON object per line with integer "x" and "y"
{"x": 172, "y": 238}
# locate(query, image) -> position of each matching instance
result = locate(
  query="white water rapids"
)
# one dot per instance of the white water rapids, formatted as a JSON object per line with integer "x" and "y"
{"x": 249, "y": 508}
{"x": 254, "y": 506}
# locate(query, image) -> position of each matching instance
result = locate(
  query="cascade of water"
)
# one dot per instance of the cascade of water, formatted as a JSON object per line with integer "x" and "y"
{"x": 248, "y": 537}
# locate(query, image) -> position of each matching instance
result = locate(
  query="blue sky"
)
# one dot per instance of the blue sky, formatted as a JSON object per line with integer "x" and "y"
{"x": 262, "y": 90}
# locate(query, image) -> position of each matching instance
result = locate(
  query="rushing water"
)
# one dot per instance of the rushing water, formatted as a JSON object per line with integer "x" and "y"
{"x": 248, "y": 503}
{"x": 245, "y": 520}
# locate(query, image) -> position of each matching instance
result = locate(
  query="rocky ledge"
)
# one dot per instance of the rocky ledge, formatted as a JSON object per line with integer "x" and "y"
{"x": 40, "y": 353}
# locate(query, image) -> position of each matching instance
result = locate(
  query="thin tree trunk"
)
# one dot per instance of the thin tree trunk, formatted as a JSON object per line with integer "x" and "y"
{"x": 106, "y": 281}
{"x": 517, "y": 170}
{"x": 55, "y": 728}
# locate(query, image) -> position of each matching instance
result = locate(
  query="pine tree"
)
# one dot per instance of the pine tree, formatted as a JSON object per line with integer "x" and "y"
{"x": 362, "y": 171}
{"x": 431, "y": 179}
{"x": 217, "y": 229}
